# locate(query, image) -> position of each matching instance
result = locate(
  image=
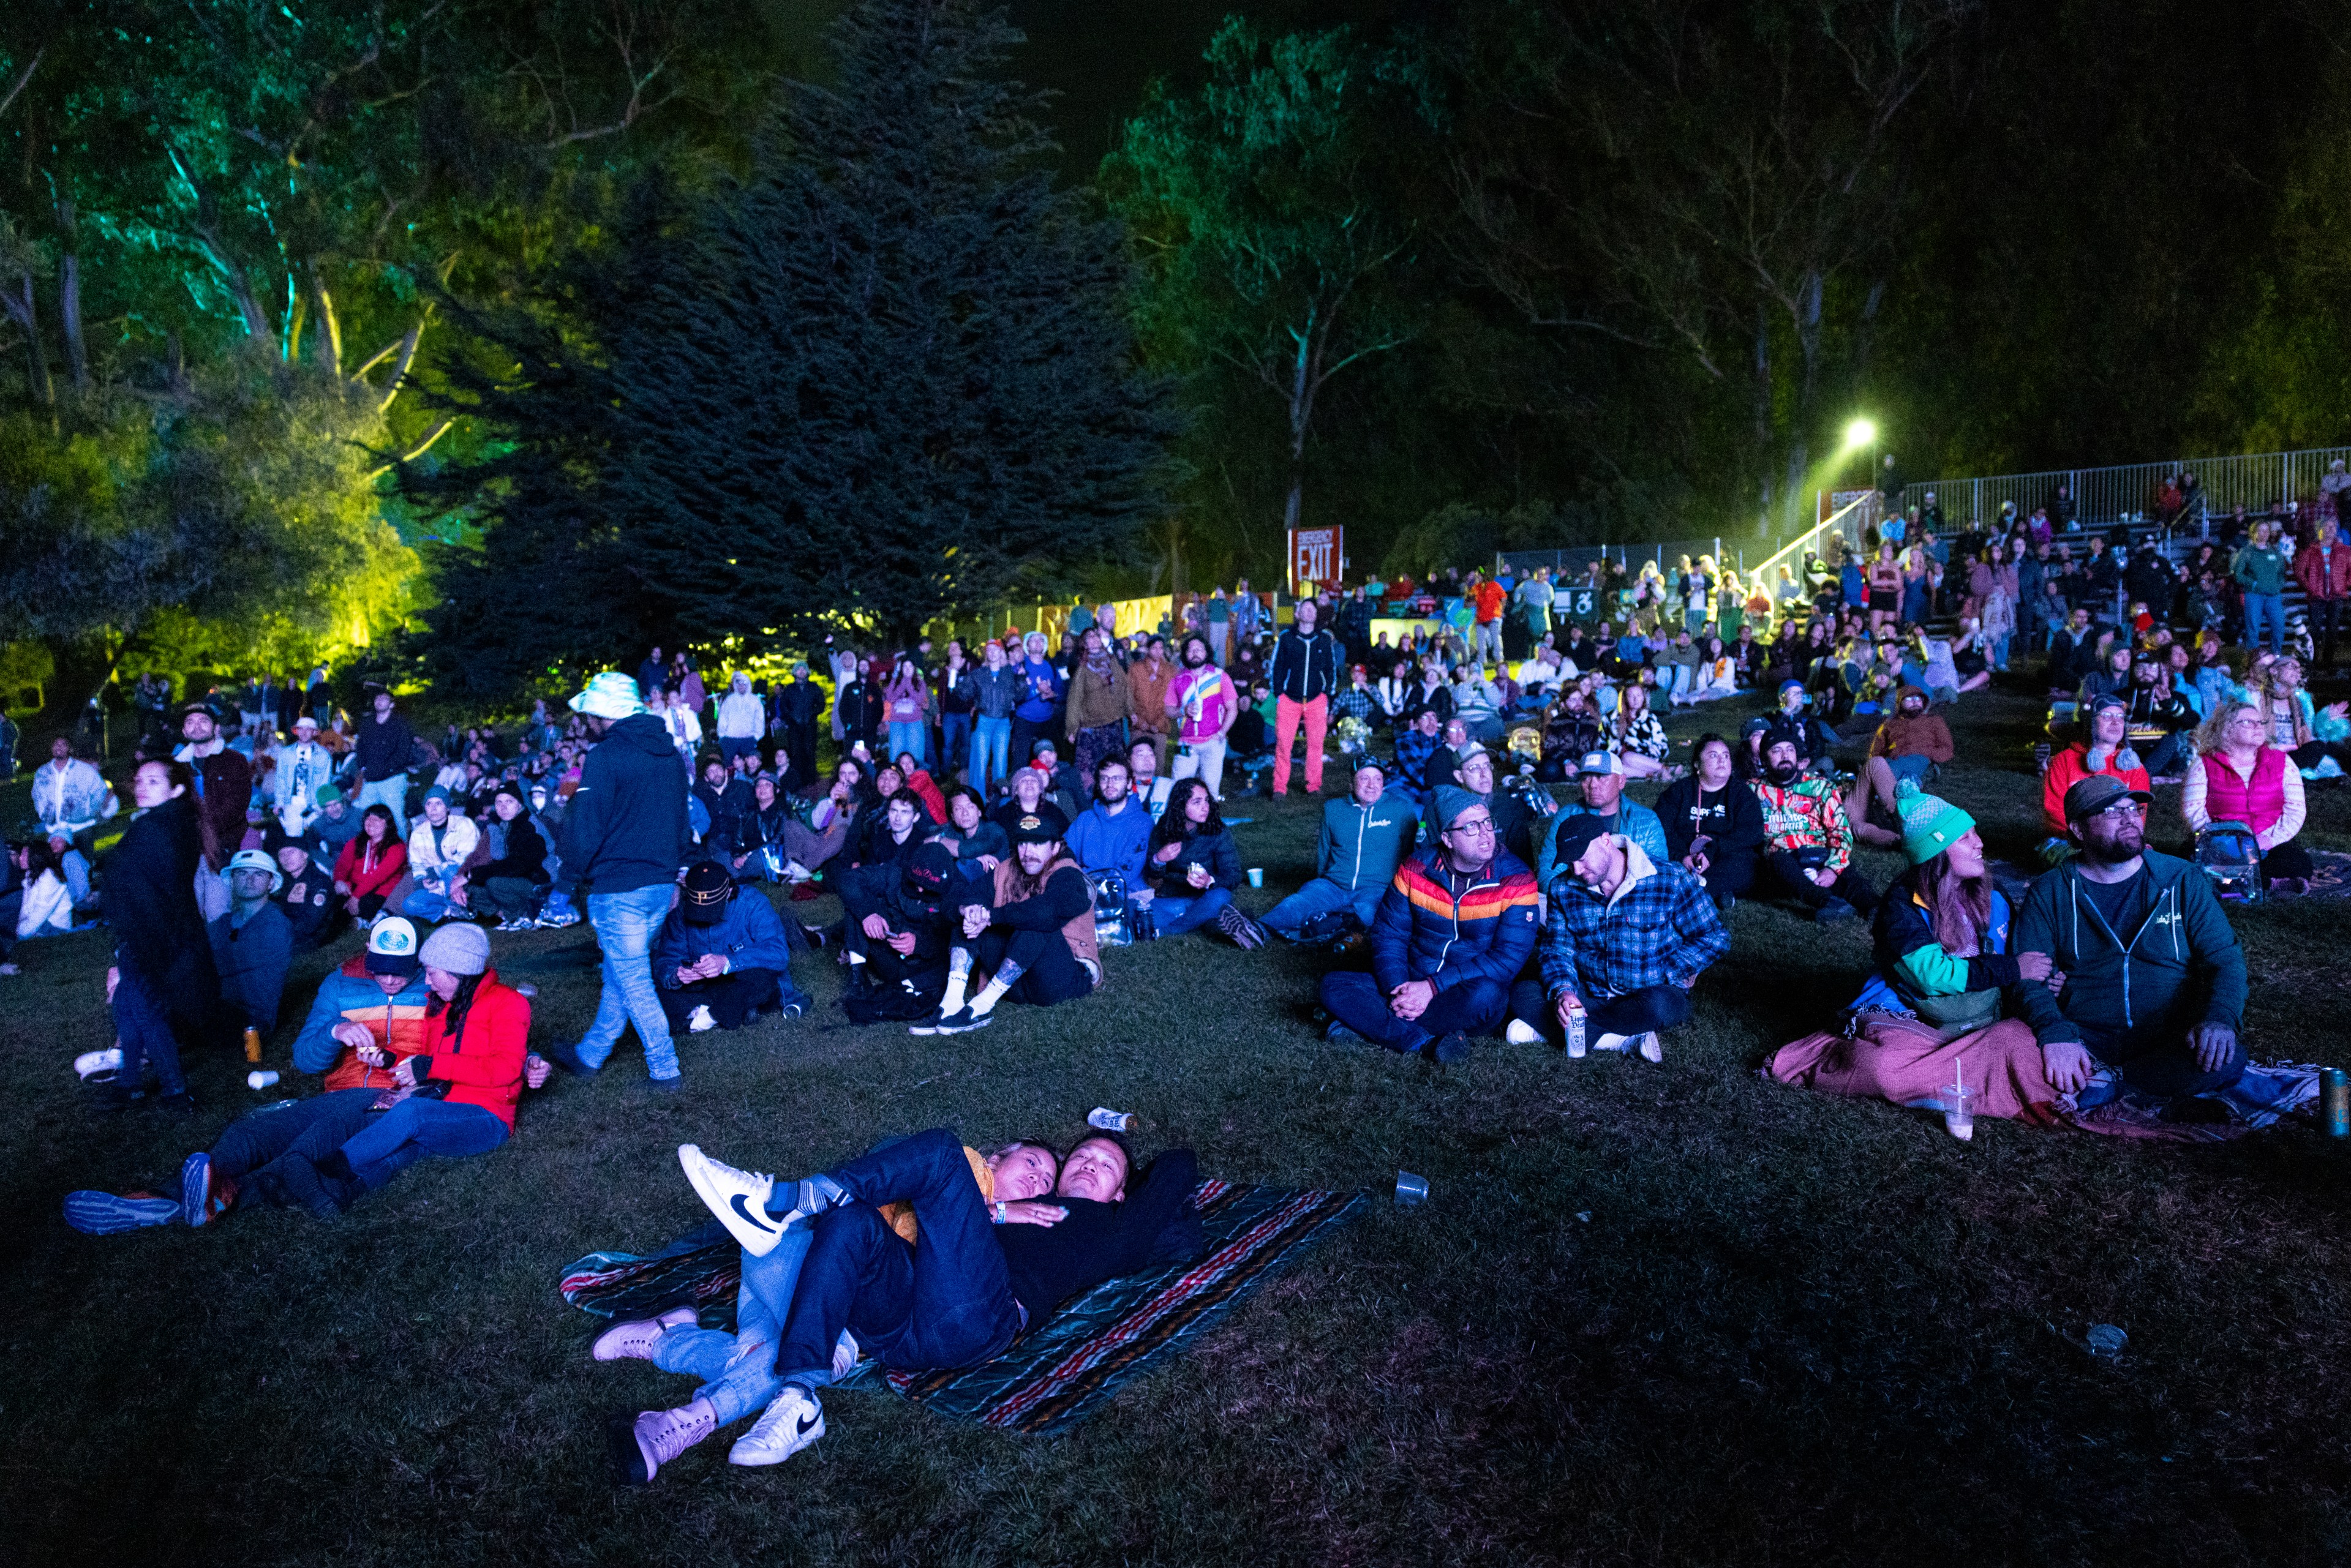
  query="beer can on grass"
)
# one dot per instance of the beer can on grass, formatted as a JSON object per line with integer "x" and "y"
{"x": 253, "y": 1045}
{"x": 1109, "y": 1121}
{"x": 2335, "y": 1100}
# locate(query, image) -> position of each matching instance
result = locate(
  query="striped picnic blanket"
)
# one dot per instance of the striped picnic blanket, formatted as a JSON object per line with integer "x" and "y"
{"x": 1049, "y": 1380}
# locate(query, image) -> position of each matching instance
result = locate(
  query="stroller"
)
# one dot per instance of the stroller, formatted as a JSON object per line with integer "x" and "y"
{"x": 2230, "y": 854}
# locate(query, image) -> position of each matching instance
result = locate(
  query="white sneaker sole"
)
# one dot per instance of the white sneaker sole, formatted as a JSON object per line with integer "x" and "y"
{"x": 758, "y": 1235}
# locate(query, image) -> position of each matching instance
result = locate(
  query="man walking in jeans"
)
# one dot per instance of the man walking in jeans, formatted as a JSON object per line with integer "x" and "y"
{"x": 623, "y": 839}
{"x": 1305, "y": 673}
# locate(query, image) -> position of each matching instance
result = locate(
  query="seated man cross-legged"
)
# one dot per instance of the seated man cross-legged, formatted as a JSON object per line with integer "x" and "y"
{"x": 1624, "y": 941}
{"x": 1363, "y": 841}
{"x": 1452, "y": 932}
{"x": 2154, "y": 978}
{"x": 722, "y": 957}
{"x": 1031, "y": 930}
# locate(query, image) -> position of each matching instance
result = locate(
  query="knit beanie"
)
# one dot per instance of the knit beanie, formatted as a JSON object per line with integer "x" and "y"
{"x": 461, "y": 947}
{"x": 1930, "y": 824}
{"x": 1452, "y": 800}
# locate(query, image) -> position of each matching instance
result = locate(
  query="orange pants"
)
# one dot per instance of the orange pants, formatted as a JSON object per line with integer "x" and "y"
{"x": 1286, "y": 715}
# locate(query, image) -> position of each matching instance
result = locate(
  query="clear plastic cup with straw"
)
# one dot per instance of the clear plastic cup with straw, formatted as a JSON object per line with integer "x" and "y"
{"x": 1958, "y": 1108}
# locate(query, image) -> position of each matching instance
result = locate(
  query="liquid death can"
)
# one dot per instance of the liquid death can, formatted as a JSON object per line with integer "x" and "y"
{"x": 2334, "y": 1099}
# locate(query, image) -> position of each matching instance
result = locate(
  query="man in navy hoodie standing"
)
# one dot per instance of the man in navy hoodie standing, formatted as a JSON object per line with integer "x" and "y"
{"x": 625, "y": 837}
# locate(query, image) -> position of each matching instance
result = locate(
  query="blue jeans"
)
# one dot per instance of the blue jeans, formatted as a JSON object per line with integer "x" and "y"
{"x": 948, "y": 1302}
{"x": 626, "y": 923}
{"x": 954, "y": 740}
{"x": 732, "y": 747}
{"x": 1174, "y": 916}
{"x": 991, "y": 739}
{"x": 2273, "y": 606}
{"x": 1914, "y": 768}
{"x": 415, "y": 1128}
{"x": 144, "y": 1023}
{"x": 390, "y": 793}
{"x": 1355, "y": 999}
{"x": 1320, "y": 897}
{"x": 915, "y": 738}
{"x": 739, "y": 1370}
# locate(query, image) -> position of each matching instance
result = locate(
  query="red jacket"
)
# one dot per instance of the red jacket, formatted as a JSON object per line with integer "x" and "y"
{"x": 485, "y": 1059}
{"x": 2321, "y": 577}
{"x": 926, "y": 789}
{"x": 2069, "y": 768}
{"x": 2258, "y": 802}
{"x": 354, "y": 870}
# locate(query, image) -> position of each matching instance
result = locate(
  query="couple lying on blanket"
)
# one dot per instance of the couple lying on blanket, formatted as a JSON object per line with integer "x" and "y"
{"x": 2120, "y": 984}
{"x": 921, "y": 1253}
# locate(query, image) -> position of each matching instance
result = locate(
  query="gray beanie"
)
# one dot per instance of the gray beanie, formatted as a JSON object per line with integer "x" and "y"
{"x": 460, "y": 948}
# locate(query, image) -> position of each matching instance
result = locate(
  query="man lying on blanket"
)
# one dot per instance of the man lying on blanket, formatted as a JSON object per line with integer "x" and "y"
{"x": 827, "y": 1273}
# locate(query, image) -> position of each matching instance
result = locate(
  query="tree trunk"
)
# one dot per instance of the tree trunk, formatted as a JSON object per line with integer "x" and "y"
{"x": 1764, "y": 418}
{"x": 69, "y": 298}
{"x": 1861, "y": 338}
{"x": 23, "y": 311}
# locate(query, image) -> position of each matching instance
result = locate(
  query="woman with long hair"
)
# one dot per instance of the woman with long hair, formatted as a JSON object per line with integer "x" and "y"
{"x": 370, "y": 865}
{"x": 1885, "y": 579}
{"x": 1098, "y": 709}
{"x": 1931, "y": 1015}
{"x": 163, "y": 973}
{"x": 1636, "y": 736}
{"x": 2240, "y": 777}
{"x": 2308, "y": 734}
{"x": 1193, "y": 869}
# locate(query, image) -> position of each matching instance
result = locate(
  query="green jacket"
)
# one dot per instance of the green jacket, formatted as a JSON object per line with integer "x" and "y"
{"x": 2171, "y": 964}
{"x": 2261, "y": 568}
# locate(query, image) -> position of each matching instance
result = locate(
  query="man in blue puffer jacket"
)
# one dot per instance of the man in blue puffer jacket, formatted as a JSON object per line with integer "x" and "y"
{"x": 722, "y": 957}
{"x": 1453, "y": 931}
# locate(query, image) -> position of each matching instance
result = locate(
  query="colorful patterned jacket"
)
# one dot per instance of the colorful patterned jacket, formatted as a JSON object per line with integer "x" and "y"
{"x": 350, "y": 995}
{"x": 1808, "y": 814}
{"x": 1438, "y": 925}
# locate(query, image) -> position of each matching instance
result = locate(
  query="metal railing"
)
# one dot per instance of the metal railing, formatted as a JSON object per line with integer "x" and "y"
{"x": 2132, "y": 490}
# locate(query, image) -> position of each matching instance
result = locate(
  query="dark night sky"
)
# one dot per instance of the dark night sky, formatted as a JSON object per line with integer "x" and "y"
{"x": 1098, "y": 56}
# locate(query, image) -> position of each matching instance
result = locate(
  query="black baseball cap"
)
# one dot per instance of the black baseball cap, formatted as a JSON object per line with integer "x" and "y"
{"x": 2088, "y": 797}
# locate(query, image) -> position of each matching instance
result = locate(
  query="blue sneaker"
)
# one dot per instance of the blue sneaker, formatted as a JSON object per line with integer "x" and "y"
{"x": 107, "y": 1214}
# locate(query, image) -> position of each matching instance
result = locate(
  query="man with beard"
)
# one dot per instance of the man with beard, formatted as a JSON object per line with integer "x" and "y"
{"x": 224, "y": 784}
{"x": 2149, "y": 979}
{"x": 1031, "y": 932}
{"x": 1204, "y": 703}
{"x": 1807, "y": 840}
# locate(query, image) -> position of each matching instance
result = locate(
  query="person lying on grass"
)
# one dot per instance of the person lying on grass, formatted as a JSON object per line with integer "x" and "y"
{"x": 737, "y": 1370}
{"x": 454, "y": 1095}
{"x": 977, "y": 1276}
{"x": 1940, "y": 1007}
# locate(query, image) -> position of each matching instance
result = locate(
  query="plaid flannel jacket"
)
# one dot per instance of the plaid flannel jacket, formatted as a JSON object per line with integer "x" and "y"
{"x": 1660, "y": 929}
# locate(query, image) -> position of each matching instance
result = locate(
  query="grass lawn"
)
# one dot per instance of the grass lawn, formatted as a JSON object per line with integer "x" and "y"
{"x": 1650, "y": 1313}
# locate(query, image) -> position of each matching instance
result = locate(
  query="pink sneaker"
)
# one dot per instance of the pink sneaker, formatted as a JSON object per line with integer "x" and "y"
{"x": 641, "y": 1448}
{"x": 634, "y": 1342}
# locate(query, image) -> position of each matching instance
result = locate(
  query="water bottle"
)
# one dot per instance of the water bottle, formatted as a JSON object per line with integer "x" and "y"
{"x": 1103, "y": 1119}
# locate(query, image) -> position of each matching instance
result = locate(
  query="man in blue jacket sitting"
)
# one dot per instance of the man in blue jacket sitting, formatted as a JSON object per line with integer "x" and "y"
{"x": 1112, "y": 836}
{"x": 1453, "y": 931}
{"x": 722, "y": 959}
{"x": 1363, "y": 841}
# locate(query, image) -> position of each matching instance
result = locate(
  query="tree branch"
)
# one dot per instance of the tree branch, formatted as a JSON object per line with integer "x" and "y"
{"x": 21, "y": 78}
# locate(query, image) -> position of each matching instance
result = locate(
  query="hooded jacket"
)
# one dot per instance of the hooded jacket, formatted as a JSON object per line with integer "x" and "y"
{"x": 1361, "y": 846}
{"x": 749, "y": 935}
{"x": 626, "y": 826}
{"x": 2171, "y": 962}
{"x": 1438, "y": 925}
{"x": 1101, "y": 840}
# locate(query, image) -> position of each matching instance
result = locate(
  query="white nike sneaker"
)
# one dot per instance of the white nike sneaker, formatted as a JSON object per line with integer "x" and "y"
{"x": 1652, "y": 1048}
{"x": 699, "y": 1021}
{"x": 739, "y": 1198}
{"x": 844, "y": 1356}
{"x": 92, "y": 1063}
{"x": 1521, "y": 1032}
{"x": 1612, "y": 1042}
{"x": 791, "y": 1424}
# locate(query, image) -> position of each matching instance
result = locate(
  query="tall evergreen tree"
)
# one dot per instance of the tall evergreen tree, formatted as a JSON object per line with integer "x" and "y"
{"x": 884, "y": 378}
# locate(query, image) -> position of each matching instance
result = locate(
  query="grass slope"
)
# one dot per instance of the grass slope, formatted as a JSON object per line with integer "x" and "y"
{"x": 1650, "y": 1315}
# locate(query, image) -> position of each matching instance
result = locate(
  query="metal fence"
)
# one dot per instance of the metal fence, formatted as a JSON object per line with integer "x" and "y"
{"x": 2132, "y": 490}
{"x": 1575, "y": 560}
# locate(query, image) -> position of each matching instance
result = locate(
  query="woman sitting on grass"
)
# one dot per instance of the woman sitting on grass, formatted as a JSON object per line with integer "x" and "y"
{"x": 1194, "y": 869}
{"x": 1932, "y": 1012}
{"x": 2238, "y": 777}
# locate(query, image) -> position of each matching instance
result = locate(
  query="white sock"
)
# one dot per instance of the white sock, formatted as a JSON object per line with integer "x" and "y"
{"x": 989, "y": 995}
{"x": 857, "y": 957}
{"x": 958, "y": 981}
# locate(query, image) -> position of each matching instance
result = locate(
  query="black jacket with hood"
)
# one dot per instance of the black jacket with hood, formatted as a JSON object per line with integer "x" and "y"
{"x": 626, "y": 826}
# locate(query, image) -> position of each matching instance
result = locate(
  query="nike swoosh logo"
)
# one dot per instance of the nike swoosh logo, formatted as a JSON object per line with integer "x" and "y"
{"x": 757, "y": 1222}
{"x": 806, "y": 1422}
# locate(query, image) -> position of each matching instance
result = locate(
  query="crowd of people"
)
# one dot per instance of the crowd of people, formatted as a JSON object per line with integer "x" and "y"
{"x": 996, "y": 824}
